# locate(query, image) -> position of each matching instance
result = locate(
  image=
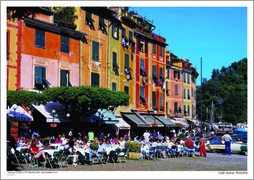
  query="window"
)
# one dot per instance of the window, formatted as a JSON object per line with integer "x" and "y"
{"x": 176, "y": 89}
{"x": 40, "y": 38}
{"x": 113, "y": 86}
{"x": 142, "y": 46}
{"x": 188, "y": 110}
{"x": 188, "y": 93}
{"x": 124, "y": 35}
{"x": 184, "y": 110}
{"x": 95, "y": 54}
{"x": 126, "y": 60}
{"x": 175, "y": 107}
{"x": 40, "y": 81}
{"x": 154, "y": 48}
{"x": 115, "y": 66}
{"x": 89, "y": 20}
{"x": 142, "y": 95}
{"x": 102, "y": 25}
{"x": 184, "y": 94}
{"x": 167, "y": 87}
{"x": 154, "y": 98}
{"x": 188, "y": 78}
{"x": 168, "y": 73}
{"x": 142, "y": 67}
{"x": 115, "y": 31}
{"x": 154, "y": 72}
{"x": 161, "y": 99}
{"x": 64, "y": 44}
{"x": 126, "y": 89}
{"x": 95, "y": 80}
{"x": 65, "y": 78}
{"x": 184, "y": 79}
{"x": 161, "y": 51}
{"x": 132, "y": 43}
{"x": 161, "y": 74}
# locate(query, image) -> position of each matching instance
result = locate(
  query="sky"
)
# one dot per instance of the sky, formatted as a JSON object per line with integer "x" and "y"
{"x": 218, "y": 35}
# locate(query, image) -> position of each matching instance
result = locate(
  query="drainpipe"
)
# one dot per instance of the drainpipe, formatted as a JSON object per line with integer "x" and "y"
{"x": 80, "y": 63}
{"x": 108, "y": 56}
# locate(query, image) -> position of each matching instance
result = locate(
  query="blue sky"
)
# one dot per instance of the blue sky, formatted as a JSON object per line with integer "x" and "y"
{"x": 218, "y": 35}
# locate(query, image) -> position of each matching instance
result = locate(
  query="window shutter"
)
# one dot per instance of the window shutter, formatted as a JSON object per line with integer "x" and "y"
{"x": 98, "y": 80}
{"x": 168, "y": 72}
{"x": 161, "y": 71}
{"x": 154, "y": 69}
{"x": 97, "y": 51}
{"x": 93, "y": 49}
{"x": 184, "y": 77}
{"x": 113, "y": 26}
{"x": 161, "y": 99}
{"x": 37, "y": 37}
{"x": 139, "y": 45}
{"x": 154, "y": 98}
{"x": 176, "y": 89}
{"x": 43, "y": 38}
{"x": 126, "y": 60}
{"x": 66, "y": 44}
{"x": 188, "y": 110}
{"x": 117, "y": 32}
{"x": 179, "y": 75}
{"x": 38, "y": 74}
{"x": 63, "y": 78}
{"x": 184, "y": 93}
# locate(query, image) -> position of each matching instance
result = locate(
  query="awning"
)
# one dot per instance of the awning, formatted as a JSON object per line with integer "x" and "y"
{"x": 122, "y": 124}
{"x": 26, "y": 116}
{"x": 60, "y": 115}
{"x": 108, "y": 117}
{"x": 149, "y": 119}
{"x": 131, "y": 118}
{"x": 167, "y": 121}
{"x": 180, "y": 121}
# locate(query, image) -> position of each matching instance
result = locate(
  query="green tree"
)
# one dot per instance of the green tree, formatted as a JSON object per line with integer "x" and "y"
{"x": 85, "y": 100}
{"x": 25, "y": 97}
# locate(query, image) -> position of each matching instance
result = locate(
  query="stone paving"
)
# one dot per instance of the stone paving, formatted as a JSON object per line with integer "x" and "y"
{"x": 213, "y": 162}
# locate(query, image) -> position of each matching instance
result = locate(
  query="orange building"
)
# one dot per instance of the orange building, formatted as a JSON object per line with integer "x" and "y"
{"x": 50, "y": 54}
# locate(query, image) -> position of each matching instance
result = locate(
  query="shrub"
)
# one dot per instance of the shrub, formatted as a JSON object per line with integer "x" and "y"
{"x": 181, "y": 136}
{"x": 133, "y": 146}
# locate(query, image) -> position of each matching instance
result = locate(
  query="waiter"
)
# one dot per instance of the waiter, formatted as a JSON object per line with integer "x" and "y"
{"x": 227, "y": 138}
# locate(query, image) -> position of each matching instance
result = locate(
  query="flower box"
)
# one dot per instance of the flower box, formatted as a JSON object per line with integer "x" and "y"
{"x": 133, "y": 155}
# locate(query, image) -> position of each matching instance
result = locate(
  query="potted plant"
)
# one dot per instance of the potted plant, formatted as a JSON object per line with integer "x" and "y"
{"x": 94, "y": 146}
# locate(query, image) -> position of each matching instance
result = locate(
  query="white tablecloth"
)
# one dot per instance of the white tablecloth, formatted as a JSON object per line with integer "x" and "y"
{"x": 50, "y": 151}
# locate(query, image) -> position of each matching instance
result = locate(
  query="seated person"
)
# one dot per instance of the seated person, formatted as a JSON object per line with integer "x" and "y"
{"x": 58, "y": 141}
{"x": 79, "y": 141}
{"x": 47, "y": 143}
{"x": 73, "y": 152}
{"x": 35, "y": 151}
{"x": 102, "y": 149}
{"x": 112, "y": 155}
{"x": 27, "y": 143}
{"x": 189, "y": 143}
{"x": 122, "y": 143}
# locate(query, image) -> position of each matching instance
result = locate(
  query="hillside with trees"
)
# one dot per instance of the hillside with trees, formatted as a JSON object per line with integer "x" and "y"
{"x": 227, "y": 89}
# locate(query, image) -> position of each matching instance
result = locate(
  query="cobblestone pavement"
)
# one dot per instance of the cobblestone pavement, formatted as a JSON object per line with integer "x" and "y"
{"x": 213, "y": 162}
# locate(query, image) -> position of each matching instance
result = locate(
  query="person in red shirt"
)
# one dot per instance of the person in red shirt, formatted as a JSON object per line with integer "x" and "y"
{"x": 36, "y": 153}
{"x": 202, "y": 145}
{"x": 189, "y": 143}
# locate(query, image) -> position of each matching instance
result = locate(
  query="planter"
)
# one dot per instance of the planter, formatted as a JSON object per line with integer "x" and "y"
{"x": 133, "y": 155}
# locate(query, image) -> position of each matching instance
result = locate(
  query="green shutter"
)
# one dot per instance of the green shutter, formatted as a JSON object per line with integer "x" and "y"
{"x": 161, "y": 99}
{"x": 126, "y": 60}
{"x": 63, "y": 78}
{"x": 38, "y": 74}
{"x": 154, "y": 69}
{"x": 154, "y": 98}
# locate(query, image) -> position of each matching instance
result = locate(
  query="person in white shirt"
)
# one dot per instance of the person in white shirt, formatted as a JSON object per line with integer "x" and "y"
{"x": 122, "y": 143}
{"x": 146, "y": 136}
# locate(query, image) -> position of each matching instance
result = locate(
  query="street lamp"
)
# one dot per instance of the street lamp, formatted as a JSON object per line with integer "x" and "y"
{"x": 14, "y": 108}
{"x": 67, "y": 115}
{"x": 53, "y": 112}
{"x": 100, "y": 116}
{"x": 22, "y": 113}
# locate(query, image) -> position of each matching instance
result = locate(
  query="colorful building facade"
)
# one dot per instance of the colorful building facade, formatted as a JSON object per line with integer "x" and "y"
{"x": 49, "y": 55}
{"x": 187, "y": 107}
{"x": 13, "y": 54}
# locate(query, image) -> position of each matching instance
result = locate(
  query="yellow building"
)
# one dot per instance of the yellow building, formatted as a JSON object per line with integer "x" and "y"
{"x": 13, "y": 35}
{"x": 187, "y": 98}
{"x": 167, "y": 86}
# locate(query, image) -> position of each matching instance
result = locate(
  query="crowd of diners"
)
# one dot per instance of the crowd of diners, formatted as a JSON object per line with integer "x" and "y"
{"x": 84, "y": 141}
